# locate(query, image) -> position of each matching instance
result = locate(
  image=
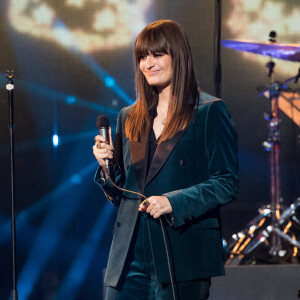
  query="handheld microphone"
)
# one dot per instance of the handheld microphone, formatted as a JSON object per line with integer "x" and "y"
{"x": 103, "y": 125}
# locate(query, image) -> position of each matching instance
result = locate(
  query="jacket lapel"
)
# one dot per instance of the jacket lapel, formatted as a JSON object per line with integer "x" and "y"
{"x": 139, "y": 158}
{"x": 139, "y": 154}
{"x": 161, "y": 155}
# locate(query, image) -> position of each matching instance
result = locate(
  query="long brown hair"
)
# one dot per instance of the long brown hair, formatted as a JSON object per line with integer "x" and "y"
{"x": 164, "y": 36}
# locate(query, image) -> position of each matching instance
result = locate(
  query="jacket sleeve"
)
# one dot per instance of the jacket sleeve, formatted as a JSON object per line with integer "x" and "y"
{"x": 222, "y": 156}
{"x": 113, "y": 194}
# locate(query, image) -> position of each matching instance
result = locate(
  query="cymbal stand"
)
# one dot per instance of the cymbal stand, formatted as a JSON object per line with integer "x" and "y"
{"x": 10, "y": 88}
{"x": 273, "y": 145}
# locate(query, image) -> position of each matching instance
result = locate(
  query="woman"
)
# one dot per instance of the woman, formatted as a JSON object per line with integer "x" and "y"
{"x": 178, "y": 147}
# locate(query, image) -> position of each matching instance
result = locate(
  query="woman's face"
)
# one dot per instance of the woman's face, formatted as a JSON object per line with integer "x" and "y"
{"x": 157, "y": 69}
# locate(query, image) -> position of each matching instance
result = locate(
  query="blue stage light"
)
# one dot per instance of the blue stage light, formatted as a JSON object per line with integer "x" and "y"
{"x": 55, "y": 140}
{"x": 51, "y": 234}
{"x": 50, "y": 94}
{"x": 70, "y": 99}
{"x": 38, "y": 206}
{"x": 76, "y": 179}
{"x": 79, "y": 269}
{"x": 65, "y": 37}
{"x": 109, "y": 81}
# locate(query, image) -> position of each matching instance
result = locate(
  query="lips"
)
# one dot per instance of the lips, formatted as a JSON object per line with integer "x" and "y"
{"x": 151, "y": 73}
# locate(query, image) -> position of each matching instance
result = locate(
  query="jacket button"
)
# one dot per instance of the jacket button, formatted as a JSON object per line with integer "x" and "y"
{"x": 118, "y": 224}
{"x": 182, "y": 162}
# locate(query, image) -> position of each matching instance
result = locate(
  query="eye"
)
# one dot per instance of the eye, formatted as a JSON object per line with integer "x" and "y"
{"x": 158, "y": 54}
{"x": 143, "y": 57}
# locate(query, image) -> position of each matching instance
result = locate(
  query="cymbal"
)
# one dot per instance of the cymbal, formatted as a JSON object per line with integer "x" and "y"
{"x": 290, "y": 52}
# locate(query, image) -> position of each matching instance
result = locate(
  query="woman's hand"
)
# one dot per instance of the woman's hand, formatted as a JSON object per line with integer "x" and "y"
{"x": 156, "y": 206}
{"x": 102, "y": 149}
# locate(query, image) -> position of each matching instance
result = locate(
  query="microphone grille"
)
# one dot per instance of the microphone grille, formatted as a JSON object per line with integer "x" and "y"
{"x": 102, "y": 121}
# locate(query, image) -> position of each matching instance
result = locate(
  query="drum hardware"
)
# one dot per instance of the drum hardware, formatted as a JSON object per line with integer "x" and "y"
{"x": 274, "y": 235}
{"x": 285, "y": 236}
{"x": 252, "y": 245}
{"x": 274, "y": 145}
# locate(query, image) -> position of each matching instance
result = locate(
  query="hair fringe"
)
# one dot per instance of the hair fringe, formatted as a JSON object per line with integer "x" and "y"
{"x": 168, "y": 37}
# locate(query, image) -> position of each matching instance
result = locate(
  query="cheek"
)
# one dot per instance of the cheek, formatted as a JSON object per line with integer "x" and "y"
{"x": 170, "y": 73}
{"x": 141, "y": 66}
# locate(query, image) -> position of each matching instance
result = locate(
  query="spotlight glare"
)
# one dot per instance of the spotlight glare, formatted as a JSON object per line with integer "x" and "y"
{"x": 43, "y": 15}
{"x": 109, "y": 81}
{"x": 76, "y": 179}
{"x": 63, "y": 36}
{"x": 224, "y": 243}
{"x": 75, "y": 3}
{"x": 55, "y": 140}
{"x": 70, "y": 99}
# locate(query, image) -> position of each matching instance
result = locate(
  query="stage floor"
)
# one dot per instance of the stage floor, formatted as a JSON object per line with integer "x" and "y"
{"x": 260, "y": 282}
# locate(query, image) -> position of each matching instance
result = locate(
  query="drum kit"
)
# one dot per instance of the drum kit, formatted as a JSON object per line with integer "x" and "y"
{"x": 274, "y": 235}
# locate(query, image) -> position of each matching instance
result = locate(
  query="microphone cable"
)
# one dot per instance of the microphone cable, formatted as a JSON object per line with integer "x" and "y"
{"x": 103, "y": 124}
{"x": 162, "y": 230}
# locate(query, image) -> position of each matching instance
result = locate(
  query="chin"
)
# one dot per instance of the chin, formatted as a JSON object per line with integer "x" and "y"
{"x": 153, "y": 83}
{"x": 156, "y": 83}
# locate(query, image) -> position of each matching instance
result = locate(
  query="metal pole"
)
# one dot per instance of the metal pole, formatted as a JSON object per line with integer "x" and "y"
{"x": 274, "y": 136}
{"x": 10, "y": 89}
{"x": 218, "y": 70}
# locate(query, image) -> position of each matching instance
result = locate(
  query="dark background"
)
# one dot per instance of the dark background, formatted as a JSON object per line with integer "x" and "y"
{"x": 64, "y": 223}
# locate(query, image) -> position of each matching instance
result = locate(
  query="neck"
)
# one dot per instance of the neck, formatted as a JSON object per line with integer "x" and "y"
{"x": 164, "y": 95}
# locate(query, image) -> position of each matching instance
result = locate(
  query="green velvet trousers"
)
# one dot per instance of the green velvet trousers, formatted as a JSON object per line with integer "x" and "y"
{"x": 139, "y": 278}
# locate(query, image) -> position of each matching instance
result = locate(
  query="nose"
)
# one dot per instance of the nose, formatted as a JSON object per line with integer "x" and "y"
{"x": 149, "y": 62}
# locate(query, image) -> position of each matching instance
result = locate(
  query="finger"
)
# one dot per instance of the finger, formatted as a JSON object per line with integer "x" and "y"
{"x": 103, "y": 148}
{"x": 142, "y": 208}
{"x": 100, "y": 161}
{"x": 108, "y": 147}
{"x": 153, "y": 212}
{"x": 96, "y": 149}
{"x": 146, "y": 202}
{"x": 102, "y": 153}
{"x": 150, "y": 209}
{"x": 157, "y": 215}
{"x": 100, "y": 138}
{"x": 110, "y": 138}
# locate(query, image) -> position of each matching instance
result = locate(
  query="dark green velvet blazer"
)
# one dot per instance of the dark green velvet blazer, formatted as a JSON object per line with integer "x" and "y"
{"x": 198, "y": 171}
